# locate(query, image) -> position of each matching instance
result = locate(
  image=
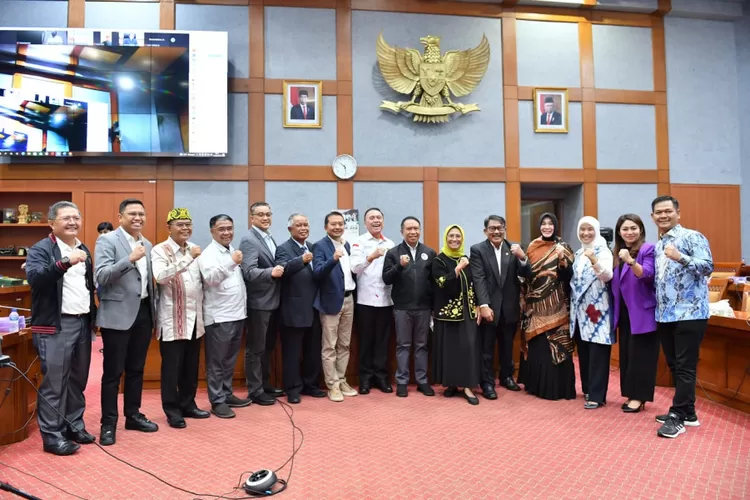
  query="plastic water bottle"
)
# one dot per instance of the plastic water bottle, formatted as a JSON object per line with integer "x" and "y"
{"x": 13, "y": 320}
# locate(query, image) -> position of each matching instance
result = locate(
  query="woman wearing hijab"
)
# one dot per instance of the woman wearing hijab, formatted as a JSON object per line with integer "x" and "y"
{"x": 547, "y": 370}
{"x": 457, "y": 357}
{"x": 590, "y": 312}
{"x": 634, "y": 312}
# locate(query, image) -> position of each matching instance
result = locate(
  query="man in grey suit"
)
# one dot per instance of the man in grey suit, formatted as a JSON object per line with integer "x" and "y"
{"x": 263, "y": 281}
{"x": 126, "y": 317}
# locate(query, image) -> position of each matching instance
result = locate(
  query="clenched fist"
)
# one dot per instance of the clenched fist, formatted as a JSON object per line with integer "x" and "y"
{"x": 462, "y": 263}
{"x": 672, "y": 252}
{"x": 77, "y": 256}
{"x": 307, "y": 257}
{"x": 338, "y": 253}
{"x": 624, "y": 256}
{"x": 590, "y": 254}
{"x": 137, "y": 254}
{"x": 277, "y": 272}
{"x": 195, "y": 251}
{"x": 237, "y": 257}
{"x": 516, "y": 250}
{"x": 405, "y": 260}
{"x": 376, "y": 254}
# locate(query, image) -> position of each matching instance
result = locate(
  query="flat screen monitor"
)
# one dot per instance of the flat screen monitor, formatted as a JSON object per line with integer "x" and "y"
{"x": 84, "y": 92}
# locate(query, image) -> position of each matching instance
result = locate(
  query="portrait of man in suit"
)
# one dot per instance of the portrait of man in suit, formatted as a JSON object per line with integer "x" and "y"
{"x": 303, "y": 110}
{"x": 551, "y": 110}
{"x": 550, "y": 115}
{"x": 301, "y": 105}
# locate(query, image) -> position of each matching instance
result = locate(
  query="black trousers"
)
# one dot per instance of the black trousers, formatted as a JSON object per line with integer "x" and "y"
{"x": 593, "y": 364}
{"x": 681, "y": 341}
{"x": 301, "y": 344}
{"x": 639, "y": 357}
{"x": 125, "y": 351}
{"x": 502, "y": 334}
{"x": 374, "y": 325}
{"x": 179, "y": 375}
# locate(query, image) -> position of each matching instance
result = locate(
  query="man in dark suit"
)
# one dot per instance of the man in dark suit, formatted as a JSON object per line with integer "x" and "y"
{"x": 303, "y": 110}
{"x": 335, "y": 302}
{"x": 61, "y": 276}
{"x": 408, "y": 268}
{"x": 300, "y": 325}
{"x": 550, "y": 116}
{"x": 262, "y": 278}
{"x": 126, "y": 317}
{"x": 496, "y": 265}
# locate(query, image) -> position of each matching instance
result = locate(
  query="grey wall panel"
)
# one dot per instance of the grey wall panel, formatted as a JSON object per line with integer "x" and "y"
{"x": 300, "y": 43}
{"x": 572, "y": 211}
{"x": 384, "y": 139}
{"x": 623, "y": 57}
{"x": 232, "y": 19}
{"x": 25, "y": 14}
{"x": 314, "y": 199}
{"x": 486, "y": 198}
{"x": 742, "y": 39}
{"x": 548, "y": 54}
{"x": 550, "y": 150}
{"x": 237, "y": 135}
{"x": 299, "y": 146}
{"x": 138, "y": 16}
{"x": 625, "y": 136}
{"x": 204, "y": 199}
{"x": 395, "y": 199}
{"x": 702, "y": 98}
{"x": 618, "y": 199}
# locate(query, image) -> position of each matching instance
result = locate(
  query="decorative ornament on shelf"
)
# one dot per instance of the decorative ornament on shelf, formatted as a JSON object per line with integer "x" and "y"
{"x": 9, "y": 215}
{"x": 21, "y": 251}
{"x": 36, "y": 216}
{"x": 430, "y": 79}
{"x": 23, "y": 214}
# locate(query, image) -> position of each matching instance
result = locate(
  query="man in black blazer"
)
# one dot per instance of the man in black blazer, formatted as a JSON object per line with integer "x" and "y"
{"x": 496, "y": 265}
{"x": 61, "y": 276}
{"x": 300, "y": 326}
{"x": 550, "y": 116}
{"x": 303, "y": 110}
{"x": 408, "y": 268}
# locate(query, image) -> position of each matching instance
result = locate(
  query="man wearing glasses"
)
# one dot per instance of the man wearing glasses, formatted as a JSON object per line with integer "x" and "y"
{"x": 263, "y": 281}
{"x": 496, "y": 265}
{"x": 126, "y": 317}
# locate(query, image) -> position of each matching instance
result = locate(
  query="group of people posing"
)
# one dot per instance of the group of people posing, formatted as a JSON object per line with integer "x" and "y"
{"x": 312, "y": 294}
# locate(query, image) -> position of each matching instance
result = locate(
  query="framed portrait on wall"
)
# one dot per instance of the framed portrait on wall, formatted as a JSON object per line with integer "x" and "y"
{"x": 551, "y": 110}
{"x": 303, "y": 103}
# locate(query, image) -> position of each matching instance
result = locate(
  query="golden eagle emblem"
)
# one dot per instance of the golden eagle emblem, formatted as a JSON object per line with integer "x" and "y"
{"x": 432, "y": 77}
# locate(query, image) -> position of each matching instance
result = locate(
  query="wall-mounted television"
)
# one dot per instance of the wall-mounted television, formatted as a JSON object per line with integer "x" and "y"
{"x": 84, "y": 92}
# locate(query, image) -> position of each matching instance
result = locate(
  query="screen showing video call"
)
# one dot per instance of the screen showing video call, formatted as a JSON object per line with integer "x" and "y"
{"x": 83, "y": 92}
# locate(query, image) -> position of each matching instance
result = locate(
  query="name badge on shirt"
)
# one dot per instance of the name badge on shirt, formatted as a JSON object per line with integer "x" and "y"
{"x": 424, "y": 256}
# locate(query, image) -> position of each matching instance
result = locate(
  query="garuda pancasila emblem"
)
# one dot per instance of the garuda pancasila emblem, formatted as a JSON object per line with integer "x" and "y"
{"x": 430, "y": 79}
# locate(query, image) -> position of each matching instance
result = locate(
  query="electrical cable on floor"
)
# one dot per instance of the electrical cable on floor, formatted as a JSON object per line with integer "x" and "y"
{"x": 42, "y": 481}
{"x": 285, "y": 483}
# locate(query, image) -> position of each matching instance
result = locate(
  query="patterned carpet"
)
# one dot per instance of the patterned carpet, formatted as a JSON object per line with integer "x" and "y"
{"x": 381, "y": 446}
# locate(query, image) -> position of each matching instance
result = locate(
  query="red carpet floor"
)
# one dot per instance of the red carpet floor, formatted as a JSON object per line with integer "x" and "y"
{"x": 381, "y": 446}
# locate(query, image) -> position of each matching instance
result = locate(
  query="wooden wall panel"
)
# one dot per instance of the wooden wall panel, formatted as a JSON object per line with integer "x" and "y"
{"x": 76, "y": 13}
{"x": 166, "y": 14}
{"x": 715, "y": 212}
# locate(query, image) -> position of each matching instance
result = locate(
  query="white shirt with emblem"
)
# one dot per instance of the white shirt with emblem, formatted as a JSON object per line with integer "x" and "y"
{"x": 75, "y": 295}
{"x": 224, "y": 292}
{"x": 371, "y": 290}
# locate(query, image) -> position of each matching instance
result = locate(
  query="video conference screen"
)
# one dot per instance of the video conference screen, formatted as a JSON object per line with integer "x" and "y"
{"x": 83, "y": 92}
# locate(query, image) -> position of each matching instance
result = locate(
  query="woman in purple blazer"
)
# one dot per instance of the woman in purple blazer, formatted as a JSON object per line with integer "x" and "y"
{"x": 634, "y": 312}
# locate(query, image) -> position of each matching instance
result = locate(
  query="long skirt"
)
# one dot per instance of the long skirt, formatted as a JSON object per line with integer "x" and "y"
{"x": 544, "y": 379}
{"x": 457, "y": 356}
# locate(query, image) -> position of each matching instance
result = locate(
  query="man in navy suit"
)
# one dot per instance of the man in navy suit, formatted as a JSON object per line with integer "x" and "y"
{"x": 335, "y": 302}
{"x": 303, "y": 110}
{"x": 300, "y": 326}
{"x": 550, "y": 116}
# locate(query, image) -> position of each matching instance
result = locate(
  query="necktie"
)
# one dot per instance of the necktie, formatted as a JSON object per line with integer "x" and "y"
{"x": 304, "y": 111}
{"x": 549, "y": 118}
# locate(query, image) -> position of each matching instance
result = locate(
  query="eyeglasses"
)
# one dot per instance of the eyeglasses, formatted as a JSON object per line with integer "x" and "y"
{"x": 182, "y": 225}
{"x": 69, "y": 218}
{"x": 263, "y": 215}
{"x": 495, "y": 229}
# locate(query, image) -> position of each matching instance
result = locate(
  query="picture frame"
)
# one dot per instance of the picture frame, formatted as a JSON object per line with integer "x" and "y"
{"x": 551, "y": 110}
{"x": 299, "y": 114}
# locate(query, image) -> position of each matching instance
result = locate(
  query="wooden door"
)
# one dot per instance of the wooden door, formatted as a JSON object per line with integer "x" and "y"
{"x": 102, "y": 205}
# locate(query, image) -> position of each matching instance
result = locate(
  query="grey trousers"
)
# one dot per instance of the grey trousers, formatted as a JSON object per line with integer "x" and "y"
{"x": 255, "y": 349}
{"x": 65, "y": 358}
{"x": 222, "y": 346}
{"x": 411, "y": 327}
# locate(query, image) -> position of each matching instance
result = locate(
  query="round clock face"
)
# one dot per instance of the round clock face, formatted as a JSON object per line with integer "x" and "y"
{"x": 344, "y": 166}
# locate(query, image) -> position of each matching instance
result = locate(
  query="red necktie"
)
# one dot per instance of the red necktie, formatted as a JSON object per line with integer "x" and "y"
{"x": 549, "y": 118}
{"x": 304, "y": 112}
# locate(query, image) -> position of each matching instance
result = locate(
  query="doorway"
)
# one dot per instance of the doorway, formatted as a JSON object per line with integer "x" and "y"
{"x": 563, "y": 200}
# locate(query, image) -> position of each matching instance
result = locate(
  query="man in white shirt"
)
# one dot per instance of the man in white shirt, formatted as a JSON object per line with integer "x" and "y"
{"x": 224, "y": 314}
{"x": 61, "y": 327}
{"x": 179, "y": 318}
{"x": 374, "y": 304}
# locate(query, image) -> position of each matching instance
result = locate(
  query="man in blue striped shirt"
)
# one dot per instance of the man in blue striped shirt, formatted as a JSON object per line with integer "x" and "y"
{"x": 683, "y": 265}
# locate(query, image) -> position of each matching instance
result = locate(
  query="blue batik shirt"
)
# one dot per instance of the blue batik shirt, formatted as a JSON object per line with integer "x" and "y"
{"x": 682, "y": 286}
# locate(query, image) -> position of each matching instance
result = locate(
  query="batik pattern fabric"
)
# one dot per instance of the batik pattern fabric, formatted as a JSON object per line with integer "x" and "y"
{"x": 590, "y": 303}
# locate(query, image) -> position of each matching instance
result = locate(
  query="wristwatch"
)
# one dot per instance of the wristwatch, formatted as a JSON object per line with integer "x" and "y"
{"x": 65, "y": 261}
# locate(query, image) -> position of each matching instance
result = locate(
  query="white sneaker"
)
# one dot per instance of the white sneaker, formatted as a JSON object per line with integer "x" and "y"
{"x": 347, "y": 390}
{"x": 334, "y": 394}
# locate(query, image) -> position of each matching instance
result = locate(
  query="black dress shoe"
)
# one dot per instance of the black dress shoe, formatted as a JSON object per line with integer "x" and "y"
{"x": 273, "y": 391}
{"x": 364, "y": 388}
{"x": 510, "y": 384}
{"x": 426, "y": 389}
{"x": 177, "y": 423}
{"x": 384, "y": 386}
{"x": 473, "y": 400}
{"x": 489, "y": 392}
{"x": 62, "y": 448}
{"x": 293, "y": 399}
{"x": 314, "y": 392}
{"x": 450, "y": 392}
{"x": 81, "y": 436}
{"x": 263, "y": 399}
{"x": 628, "y": 409}
{"x": 139, "y": 422}
{"x": 196, "y": 413}
{"x": 235, "y": 402}
{"x": 401, "y": 391}
{"x": 107, "y": 436}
